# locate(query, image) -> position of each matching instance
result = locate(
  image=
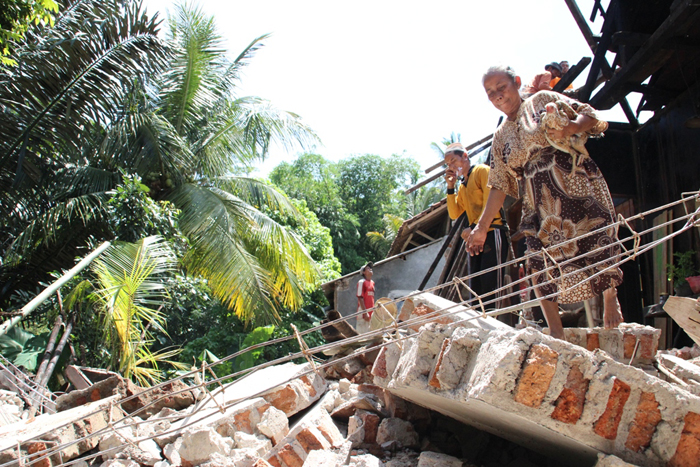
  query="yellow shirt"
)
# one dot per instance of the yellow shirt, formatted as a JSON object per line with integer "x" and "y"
{"x": 472, "y": 196}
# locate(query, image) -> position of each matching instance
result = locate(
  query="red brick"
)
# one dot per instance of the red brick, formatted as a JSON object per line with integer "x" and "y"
{"x": 309, "y": 442}
{"x": 379, "y": 368}
{"x": 374, "y": 390}
{"x": 536, "y": 376}
{"x": 362, "y": 376}
{"x": 308, "y": 385}
{"x": 648, "y": 346}
{"x": 274, "y": 461}
{"x": 242, "y": 422}
{"x": 644, "y": 424}
{"x": 630, "y": 341}
{"x": 290, "y": 457}
{"x": 261, "y": 463}
{"x": 569, "y": 404}
{"x": 33, "y": 448}
{"x": 434, "y": 382}
{"x": 606, "y": 425}
{"x": 592, "y": 341}
{"x": 262, "y": 409}
{"x": 688, "y": 449}
{"x": 285, "y": 399}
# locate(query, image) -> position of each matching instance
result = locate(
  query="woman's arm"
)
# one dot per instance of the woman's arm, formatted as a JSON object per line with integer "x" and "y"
{"x": 477, "y": 237}
{"x": 582, "y": 124}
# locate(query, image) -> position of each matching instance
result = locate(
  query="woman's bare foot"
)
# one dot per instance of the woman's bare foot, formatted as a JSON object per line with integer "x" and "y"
{"x": 612, "y": 314}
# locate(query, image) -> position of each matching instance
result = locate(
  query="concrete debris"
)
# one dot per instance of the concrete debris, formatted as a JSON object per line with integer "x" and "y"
{"x": 449, "y": 394}
{"x": 200, "y": 444}
{"x": 401, "y": 431}
{"x": 436, "y": 459}
{"x": 527, "y": 386}
{"x": 365, "y": 460}
{"x": 11, "y": 408}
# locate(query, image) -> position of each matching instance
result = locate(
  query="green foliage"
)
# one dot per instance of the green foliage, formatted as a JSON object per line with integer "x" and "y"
{"x": 256, "y": 336}
{"x": 683, "y": 267}
{"x": 134, "y": 215}
{"x": 350, "y": 197}
{"x": 22, "y": 348}
{"x": 130, "y": 287}
{"x": 15, "y": 18}
{"x": 381, "y": 241}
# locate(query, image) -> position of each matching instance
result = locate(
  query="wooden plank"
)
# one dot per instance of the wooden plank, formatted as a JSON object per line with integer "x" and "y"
{"x": 650, "y": 57}
{"x": 685, "y": 312}
{"x": 582, "y": 24}
{"x": 599, "y": 57}
{"x": 425, "y": 235}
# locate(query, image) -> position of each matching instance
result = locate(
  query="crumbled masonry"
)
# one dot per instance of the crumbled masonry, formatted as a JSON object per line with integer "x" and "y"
{"x": 509, "y": 397}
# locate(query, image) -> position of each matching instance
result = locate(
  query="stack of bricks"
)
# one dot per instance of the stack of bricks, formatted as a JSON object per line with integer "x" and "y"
{"x": 548, "y": 389}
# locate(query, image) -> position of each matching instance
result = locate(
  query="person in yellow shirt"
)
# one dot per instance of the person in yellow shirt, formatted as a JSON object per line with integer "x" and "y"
{"x": 471, "y": 198}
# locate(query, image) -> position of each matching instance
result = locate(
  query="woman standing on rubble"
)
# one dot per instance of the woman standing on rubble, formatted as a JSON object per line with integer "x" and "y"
{"x": 562, "y": 200}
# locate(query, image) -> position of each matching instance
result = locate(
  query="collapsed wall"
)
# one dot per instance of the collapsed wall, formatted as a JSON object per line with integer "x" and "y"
{"x": 533, "y": 389}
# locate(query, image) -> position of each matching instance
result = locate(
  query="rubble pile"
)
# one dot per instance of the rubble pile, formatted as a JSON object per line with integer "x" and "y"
{"x": 463, "y": 390}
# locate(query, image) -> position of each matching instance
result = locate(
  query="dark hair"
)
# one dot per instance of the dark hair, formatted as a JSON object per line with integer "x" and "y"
{"x": 506, "y": 70}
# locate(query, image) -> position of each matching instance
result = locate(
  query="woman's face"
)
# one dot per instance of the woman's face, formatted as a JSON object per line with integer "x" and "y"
{"x": 503, "y": 93}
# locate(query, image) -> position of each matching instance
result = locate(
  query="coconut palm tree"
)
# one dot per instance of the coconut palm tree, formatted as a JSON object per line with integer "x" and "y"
{"x": 187, "y": 134}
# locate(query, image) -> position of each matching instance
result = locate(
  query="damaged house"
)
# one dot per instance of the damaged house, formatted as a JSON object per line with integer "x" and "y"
{"x": 440, "y": 381}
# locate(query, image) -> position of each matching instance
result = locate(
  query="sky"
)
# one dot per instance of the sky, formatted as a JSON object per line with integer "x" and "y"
{"x": 390, "y": 77}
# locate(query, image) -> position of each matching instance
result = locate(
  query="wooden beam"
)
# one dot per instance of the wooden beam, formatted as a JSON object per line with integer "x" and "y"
{"x": 651, "y": 56}
{"x": 582, "y": 24}
{"x": 597, "y": 7}
{"x": 424, "y": 235}
{"x": 599, "y": 57}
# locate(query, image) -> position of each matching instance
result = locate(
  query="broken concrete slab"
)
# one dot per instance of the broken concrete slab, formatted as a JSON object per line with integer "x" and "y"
{"x": 685, "y": 370}
{"x": 530, "y": 388}
{"x": 243, "y": 416}
{"x": 446, "y": 312}
{"x": 70, "y": 426}
{"x": 290, "y": 397}
{"x": 363, "y": 401}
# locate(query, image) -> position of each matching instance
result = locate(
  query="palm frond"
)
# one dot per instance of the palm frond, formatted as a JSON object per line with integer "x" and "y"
{"x": 250, "y": 261}
{"x": 70, "y": 76}
{"x": 190, "y": 83}
{"x": 57, "y": 222}
{"x": 130, "y": 286}
{"x": 258, "y": 194}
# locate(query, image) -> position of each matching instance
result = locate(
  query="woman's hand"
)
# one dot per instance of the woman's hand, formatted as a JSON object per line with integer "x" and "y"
{"x": 476, "y": 240}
